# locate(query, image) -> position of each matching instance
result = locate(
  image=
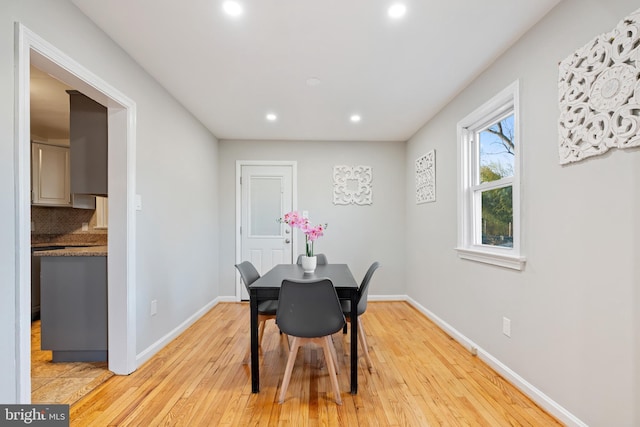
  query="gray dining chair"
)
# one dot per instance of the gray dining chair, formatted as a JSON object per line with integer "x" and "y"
{"x": 322, "y": 259}
{"x": 309, "y": 311}
{"x": 363, "y": 293}
{"x": 266, "y": 309}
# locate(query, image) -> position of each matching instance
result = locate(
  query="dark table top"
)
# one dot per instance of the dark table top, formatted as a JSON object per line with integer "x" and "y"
{"x": 339, "y": 274}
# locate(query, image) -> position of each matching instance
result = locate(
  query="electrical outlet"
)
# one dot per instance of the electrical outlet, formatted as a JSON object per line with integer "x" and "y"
{"x": 85, "y": 226}
{"x": 154, "y": 307}
{"x": 506, "y": 326}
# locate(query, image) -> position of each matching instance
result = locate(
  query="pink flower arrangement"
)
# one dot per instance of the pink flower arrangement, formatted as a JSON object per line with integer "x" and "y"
{"x": 311, "y": 233}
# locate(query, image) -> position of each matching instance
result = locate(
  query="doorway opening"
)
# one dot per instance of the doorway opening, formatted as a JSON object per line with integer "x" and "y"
{"x": 33, "y": 50}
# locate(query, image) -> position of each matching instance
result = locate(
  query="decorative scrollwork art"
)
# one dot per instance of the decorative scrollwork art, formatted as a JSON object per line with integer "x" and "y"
{"x": 352, "y": 185}
{"x": 426, "y": 178}
{"x": 599, "y": 94}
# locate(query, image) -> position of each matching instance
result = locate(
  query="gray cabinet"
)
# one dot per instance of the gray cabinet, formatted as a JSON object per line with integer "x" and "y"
{"x": 35, "y": 287}
{"x": 88, "y": 136}
{"x": 73, "y": 307}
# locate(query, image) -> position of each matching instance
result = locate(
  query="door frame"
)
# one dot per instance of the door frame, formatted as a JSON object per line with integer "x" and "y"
{"x": 294, "y": 204}
{"x": 121, "y": 262}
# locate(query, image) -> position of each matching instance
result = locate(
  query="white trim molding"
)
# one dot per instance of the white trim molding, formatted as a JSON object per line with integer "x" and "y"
{"x": 501, "y": 260}
{"x": 519, "y": 382}
{"x": 470, "y": 235}
{"x": 154, "y": 348}
{"x": 32, "y": 49}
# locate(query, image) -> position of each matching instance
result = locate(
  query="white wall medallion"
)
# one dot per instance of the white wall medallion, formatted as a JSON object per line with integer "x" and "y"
{"x": 599, "y": 94}
{"x": 352, "y": 185}
{"x": 426, "y": 178}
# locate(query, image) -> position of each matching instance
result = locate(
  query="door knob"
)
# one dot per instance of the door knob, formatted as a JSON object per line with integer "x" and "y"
{"x": 287, "y": 241}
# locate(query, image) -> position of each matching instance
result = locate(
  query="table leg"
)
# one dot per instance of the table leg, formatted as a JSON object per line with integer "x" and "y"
{"x": 255, "y": 372}
{"x": 354, "y": 342}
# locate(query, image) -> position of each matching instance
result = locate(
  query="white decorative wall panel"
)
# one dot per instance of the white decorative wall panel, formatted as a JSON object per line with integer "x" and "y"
{"x": 352, "y": 185}
{"x": 599, "y": 94}
{"x": 426, "y": 178}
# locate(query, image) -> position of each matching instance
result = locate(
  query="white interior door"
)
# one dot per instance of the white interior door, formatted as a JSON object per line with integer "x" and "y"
{"x": 266, "y": 195}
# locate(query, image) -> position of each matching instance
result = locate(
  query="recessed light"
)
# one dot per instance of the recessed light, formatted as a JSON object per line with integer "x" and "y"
{"x": 272, "y": 117}
{"x": 232, "y": 8}
{"x": 313, "y": 81}
{"x": 397, "y": 10}
{"x": 355, "y": 118}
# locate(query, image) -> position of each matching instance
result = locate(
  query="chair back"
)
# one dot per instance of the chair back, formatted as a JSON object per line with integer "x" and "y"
{"x": 309, "y": 308}
{"x": 363, "y": 292}
{"x": 321, "y": 259}
{"x": 248, "y": 273}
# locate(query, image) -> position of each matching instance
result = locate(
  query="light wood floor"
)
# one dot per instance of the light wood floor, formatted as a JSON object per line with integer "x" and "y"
{"x": 422, "y": 378}
{"x": 61, "y": 382}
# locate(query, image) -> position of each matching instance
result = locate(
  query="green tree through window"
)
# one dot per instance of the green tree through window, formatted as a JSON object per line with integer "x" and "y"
{"x": 496, "y": 163}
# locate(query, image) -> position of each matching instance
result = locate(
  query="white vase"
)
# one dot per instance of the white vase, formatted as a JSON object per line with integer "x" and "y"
{"x": 309, "y": 263}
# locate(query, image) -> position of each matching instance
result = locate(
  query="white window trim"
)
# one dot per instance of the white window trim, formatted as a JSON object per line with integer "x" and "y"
{"x": 512, "y": 258}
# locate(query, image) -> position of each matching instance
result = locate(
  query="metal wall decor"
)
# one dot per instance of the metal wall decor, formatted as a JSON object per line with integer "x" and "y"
{"x": 599, "y": 94}
{"x": 426, "y": 178}
{"x": 352, "y": 185}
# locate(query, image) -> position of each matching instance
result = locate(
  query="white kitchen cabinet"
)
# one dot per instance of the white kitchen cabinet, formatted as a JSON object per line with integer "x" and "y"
{"x": 50, "y": 178}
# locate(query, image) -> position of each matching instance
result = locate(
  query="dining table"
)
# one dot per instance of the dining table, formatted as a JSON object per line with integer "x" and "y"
{"x": 267, "y": 287}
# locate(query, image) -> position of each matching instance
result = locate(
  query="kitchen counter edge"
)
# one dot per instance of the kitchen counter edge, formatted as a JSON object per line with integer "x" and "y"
{"x": 74, "y": 251}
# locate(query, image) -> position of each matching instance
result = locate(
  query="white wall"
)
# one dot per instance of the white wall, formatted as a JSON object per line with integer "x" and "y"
{"x": 177, "y": 229}
{"x": 7, "y": 210}
{"x": 574, "y": 309}
{"x": 357, "y": 235}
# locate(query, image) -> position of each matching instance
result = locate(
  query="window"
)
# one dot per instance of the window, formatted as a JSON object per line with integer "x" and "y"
{"x": 488, "y": 191}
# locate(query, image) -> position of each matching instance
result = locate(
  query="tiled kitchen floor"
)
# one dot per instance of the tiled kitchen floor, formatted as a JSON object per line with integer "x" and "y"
{"x": 61, "y": 382}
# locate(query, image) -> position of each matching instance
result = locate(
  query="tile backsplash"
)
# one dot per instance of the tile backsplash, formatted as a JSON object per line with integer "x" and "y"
{"x": 54, "y": 223}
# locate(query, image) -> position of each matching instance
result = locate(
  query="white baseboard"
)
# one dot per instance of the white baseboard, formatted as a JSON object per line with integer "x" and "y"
{"x": 523, "y": 385}
{"x": 226, "y": 299}
{"x": 150, "y": 351}
{"x": 387, "y": 298}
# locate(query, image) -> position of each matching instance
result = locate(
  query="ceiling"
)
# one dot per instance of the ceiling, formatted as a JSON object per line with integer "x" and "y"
{"x": 49, "y": 107}
{"x": 314, "y": 63}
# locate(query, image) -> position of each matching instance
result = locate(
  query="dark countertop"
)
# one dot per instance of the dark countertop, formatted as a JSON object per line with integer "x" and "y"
{"x": 70, "y": 250}
{"x": 60, "y": 245}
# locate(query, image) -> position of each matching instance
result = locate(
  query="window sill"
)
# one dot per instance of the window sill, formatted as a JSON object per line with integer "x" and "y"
{"x": 502, "y": 260}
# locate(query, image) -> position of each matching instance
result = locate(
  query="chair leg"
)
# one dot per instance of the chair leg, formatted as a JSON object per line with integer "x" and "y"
{"x": 334, "y": 355}
{"x": 286, "y": 338}
{"x": 261, "y": 325}
{"x": 261, "y": 332}
{"x": 287, "y": 371}
{"x": 363, "y": 343}
{"x": 326, "y": 345}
